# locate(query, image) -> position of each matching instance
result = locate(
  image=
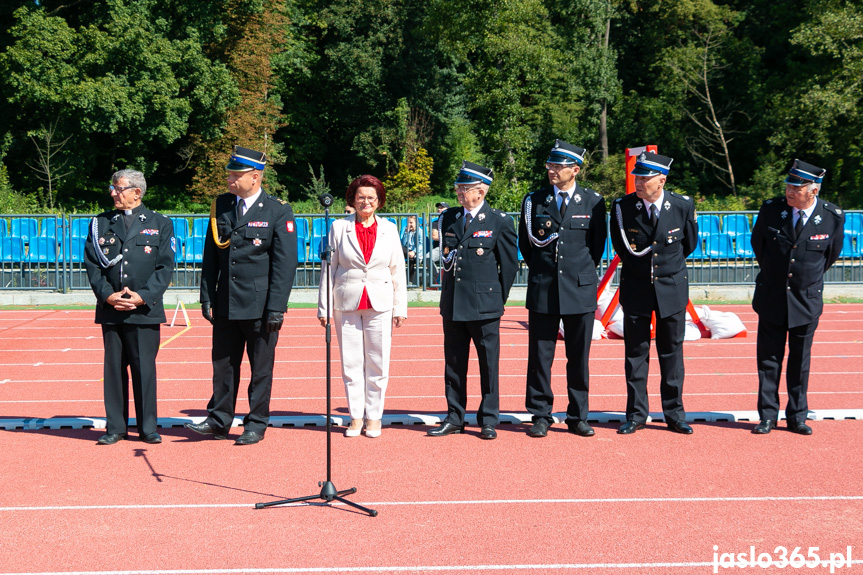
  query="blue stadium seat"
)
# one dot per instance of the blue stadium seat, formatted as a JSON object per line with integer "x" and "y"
{"x": 42, "y": 250}
{"x": 53, "y": 228}
{"x": 76, "y": 254}
{"x": 318, "y": 230}
{"x": 735, "y": 224}
{"x": 302, "y": 227}
{"x": 199, "y": 227}
{"x": 743, "y": 246}
{"x": 853, "y": 223}
{"x": 302, "y": 249}
{"x": 194, "y": 252}
{"x": 315, "y": 249}
{"x": 81, "y": 227}
{"x": 708, "y": 224}
{"x": 850, "y": 248}
{"x": 181, "y": 227}
{"x": 719, "y": 246}
{"x": 4, "y": 230}
{"x": 178, "y": 246}
{"x": 24, "y": 228}
{"x": 698, "y": 254}
{"x": 12, "y": 249}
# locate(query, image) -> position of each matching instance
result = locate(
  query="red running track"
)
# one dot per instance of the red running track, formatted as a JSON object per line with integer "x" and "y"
{"x": 654, "y": 502}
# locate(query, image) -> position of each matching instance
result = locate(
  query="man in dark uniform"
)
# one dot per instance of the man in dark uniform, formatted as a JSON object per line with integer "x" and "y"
{"x": 653, "y": 230}
{"x": 250, "y": 259}
{"x": 561, "y": 235}
{"x": 796, "y": 239}
{"x": 479, "y": 260}
{"x": 129, "y": 256}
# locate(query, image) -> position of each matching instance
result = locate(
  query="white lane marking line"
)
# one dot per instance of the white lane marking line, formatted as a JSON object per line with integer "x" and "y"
{"x": 598, "y": 500}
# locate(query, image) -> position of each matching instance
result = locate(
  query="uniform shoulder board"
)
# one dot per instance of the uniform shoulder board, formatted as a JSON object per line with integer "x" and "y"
{"x": 280, "y": 200}
{"x": 597, "y": 194}
{"x": 685, "y": 197}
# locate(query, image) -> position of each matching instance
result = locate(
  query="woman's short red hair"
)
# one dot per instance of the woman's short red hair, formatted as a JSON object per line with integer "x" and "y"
{"x": 366, "y": 181}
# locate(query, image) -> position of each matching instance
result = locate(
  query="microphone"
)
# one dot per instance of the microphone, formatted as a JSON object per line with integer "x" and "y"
{"x": 325, "y": 199}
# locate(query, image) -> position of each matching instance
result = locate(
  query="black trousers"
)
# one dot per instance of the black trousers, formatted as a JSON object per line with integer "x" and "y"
{"x": 457, "y": 336}
{"x": 130, "y": 348}
{"x": 770, "y": 353}
{"x": 669, "y": 348}
{"x": 230, "y": 339}
{"x": 542, "y": 341}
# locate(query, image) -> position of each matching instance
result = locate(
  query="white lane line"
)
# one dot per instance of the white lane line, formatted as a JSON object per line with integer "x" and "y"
{"x": 579, "y": 501}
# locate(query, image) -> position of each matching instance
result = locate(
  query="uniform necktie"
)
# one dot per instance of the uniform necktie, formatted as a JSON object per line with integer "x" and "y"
{"x": 654, "y": 214}
{"x": 798, "y": 227}
{"x": 467, "y": 220}
{"x": 564, "y": 201}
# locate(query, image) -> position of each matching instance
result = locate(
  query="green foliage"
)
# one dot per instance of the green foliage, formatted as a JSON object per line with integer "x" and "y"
{"x": 317, "y": 185}
{"x": 412, "y": 180}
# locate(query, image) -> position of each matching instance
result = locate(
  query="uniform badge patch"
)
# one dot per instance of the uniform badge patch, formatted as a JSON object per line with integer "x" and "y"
{"x": 482, "y": 234}
{"x": 667, "y": 205}
{"x": 147, "y": 249}
{"x": 541, "y": 232}
{"x": 112, "y": 241}
{"x": 481, "y": 217}
{"x": 577, "y": 198}
{"x": 446, "y": 251}
{"x": 783, "y": 214}
{"x": 142, "y": 217}
{"x": 258, "y": 224}
{"x": 479, "y": 251}
{"x": 548, "y": 199}
{"x": 150, "y": 232}
{"x": 105, "y": 251}
{"x": 817, "y": 220}
{"x": 257, "y": 241}
{"x": 290, "y": 226}
{"x": 638, "y": 206}
{"x": 820, "y": 237}
{"x": 548, "y": 223}
{"x": 174, "y": 244}
{"x": 101, "y": 241}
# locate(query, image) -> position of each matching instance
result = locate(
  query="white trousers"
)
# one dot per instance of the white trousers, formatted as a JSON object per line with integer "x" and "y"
{"x": 364, "y": 338}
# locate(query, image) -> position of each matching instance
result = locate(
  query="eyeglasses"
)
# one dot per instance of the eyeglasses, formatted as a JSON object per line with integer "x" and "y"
{"x": 370, "y": 201}
{"x": 459, "y": 189}
{"x": 556, "y": 167}
{"x": 120, "y": 189}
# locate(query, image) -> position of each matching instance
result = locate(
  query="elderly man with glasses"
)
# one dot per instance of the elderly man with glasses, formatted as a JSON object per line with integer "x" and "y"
{"x": 479, "y": 261}
{"x": 129, "y": 257}
{"x": 796, "y": 239}
{"x": 561, "y": 235}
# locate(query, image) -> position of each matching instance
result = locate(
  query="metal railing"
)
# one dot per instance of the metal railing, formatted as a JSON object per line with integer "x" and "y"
{"x": 46, "y": 252}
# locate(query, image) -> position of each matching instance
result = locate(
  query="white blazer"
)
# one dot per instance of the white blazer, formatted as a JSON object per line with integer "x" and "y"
{"x": 383, "y": 277}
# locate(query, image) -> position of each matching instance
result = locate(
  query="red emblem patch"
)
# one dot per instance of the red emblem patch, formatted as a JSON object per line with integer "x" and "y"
{"x": 290, "y": 226}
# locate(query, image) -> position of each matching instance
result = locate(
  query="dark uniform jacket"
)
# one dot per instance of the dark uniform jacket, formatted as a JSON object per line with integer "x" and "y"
{"x": 478, "y": 264}
{"x": 146, "y": 267}
{"x": 662, "y": 270}
{"x": 254, "y": 274}
{"x": 791, "y": 280}
{"x": 562, "y": 252}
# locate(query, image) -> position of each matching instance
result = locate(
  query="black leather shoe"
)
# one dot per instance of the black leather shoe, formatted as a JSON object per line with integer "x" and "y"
{"x": 445, "y": 428}
{"x": 111, "y": 438}
{"x": 680, "y": 427}
{"x": 580, "y": 427}
{"x": 539, "y": 428}
{"x": 151, "y": 438}
{"x": 799, "y": 427}
{"x": 206, "y": 429}
{"x": 249, "y": 437}
{"x": 630, "y": 427}
{"x": 765, "y": 427}
{"x": 488, "y": 432}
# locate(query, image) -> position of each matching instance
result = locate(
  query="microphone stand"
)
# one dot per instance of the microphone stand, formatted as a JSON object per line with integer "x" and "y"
{"x": 328, "y": 490}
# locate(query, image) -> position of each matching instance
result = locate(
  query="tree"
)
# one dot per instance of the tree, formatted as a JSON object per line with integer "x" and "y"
{"x": 48, "y": 166}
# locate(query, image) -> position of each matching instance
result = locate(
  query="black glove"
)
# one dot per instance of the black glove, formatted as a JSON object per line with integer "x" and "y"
{"x": 207, "y": 312}
{"x": 274, "y": 320}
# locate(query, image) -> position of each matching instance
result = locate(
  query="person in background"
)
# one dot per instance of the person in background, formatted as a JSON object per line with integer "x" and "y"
{"x": 796, "y": 239}
{"x": 129, "y": 257}
{"x": 368, "y": 298}
{"x": 413, "y": 248}
{"x": 250, "y": 259}
{"x": 435, "y": 252}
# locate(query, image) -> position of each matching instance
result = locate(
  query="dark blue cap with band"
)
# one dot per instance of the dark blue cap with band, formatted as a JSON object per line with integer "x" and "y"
{"x": 650, "y": 164}
{"x": 471, "y": 173}
{"x": 566, "y": 154}
{"x": 802, "y": 174}
{"x": 244, "y": 159}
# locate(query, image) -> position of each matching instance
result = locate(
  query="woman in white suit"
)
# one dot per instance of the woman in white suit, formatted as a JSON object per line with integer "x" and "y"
{"x": 369, "y": 297}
